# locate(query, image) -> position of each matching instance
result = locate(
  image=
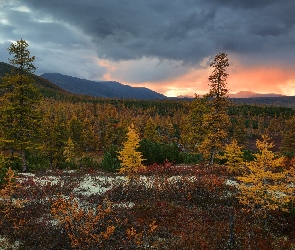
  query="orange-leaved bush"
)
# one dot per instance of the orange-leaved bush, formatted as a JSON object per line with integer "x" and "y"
{"x": 86, "y": 227}
{"x": 7, "y": 189}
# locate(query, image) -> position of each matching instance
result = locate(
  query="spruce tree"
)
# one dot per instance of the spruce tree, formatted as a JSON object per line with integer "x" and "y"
{"x": 216, "y": 122}
{"x": 19, "y": 115}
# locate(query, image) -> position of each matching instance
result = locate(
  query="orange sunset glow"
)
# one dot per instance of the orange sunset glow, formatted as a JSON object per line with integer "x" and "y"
{"x": 262, "y": 79}
{"x": 165, "y": 46}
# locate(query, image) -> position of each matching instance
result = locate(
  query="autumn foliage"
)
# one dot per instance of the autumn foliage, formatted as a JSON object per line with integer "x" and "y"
{"x": 265, "y": 185}
{"x": 236, "y": 193}
{"x": 131, "y": 159}
{"x": 85, "y": 227}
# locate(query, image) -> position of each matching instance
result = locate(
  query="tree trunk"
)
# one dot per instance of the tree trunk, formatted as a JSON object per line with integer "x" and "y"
{"x": 212, "y": 157}
{"x": 24, "y": 161}
{"x": 231, "y": 240}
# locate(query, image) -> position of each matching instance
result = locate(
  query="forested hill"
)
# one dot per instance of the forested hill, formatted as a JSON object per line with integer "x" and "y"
{"x": 47, "y": 88}
{"x": 282, "y": 101}
{"x": 104, "y": 89}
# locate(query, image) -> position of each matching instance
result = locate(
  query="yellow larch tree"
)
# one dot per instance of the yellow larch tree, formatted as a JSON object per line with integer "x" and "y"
{"x": 234, "y": 157}
{"x": 265, "y": 185}
{"x": 150, "y": 130}
{"x": 288, "y": 143}
{"x": 69, "y": 153}
{"x": 131, "y": 159}
{"x": 192, "y": 127}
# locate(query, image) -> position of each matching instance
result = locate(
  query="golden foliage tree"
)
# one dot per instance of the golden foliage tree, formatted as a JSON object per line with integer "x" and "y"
{"x": 239, "y": 131}
{"x": 55, "y": 132}
{"x": 265, "y": 186}
{"x": 19, "y": 114}
{"x": 131, "y": 159}
{"x": 150, "y": 130}
{"x": 69, "y": 150}
{"x": 288, "y": 146}
{"x": 234, "y": 157}
{"x": 192, "y": 127}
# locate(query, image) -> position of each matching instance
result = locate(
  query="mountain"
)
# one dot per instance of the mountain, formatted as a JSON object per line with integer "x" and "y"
{"x": 242, "y": 94}
{"x": 104, "y": 89}
{"x": 250, "y": 94}
{"x": 47, "y": 88}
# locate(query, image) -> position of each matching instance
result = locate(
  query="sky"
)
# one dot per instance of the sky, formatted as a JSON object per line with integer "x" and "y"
{"x": 164, "y": 45}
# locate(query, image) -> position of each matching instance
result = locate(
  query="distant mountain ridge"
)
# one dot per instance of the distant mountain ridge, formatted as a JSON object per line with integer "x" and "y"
{"x": 104, "y": 89}
{"x": 250, "y": 94}
{"x": 243, "y": 94}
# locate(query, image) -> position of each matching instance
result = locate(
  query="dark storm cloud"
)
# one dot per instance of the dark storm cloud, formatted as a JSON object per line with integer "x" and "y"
{"x": 77, "y": 32}
{"x": 183, "y": 30}
{"x": 58, "y": 46}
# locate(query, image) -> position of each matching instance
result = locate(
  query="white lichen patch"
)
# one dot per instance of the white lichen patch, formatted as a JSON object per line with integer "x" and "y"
{"x": 147, "y": 181}
{"x": 123, "y": 205}
{"x": 231, "y": 183}
{"x": 41, "y": 181}
{"x": 5, "y": 244}
{"x": 26, "y": 174}
{"x": 97, "y": 185}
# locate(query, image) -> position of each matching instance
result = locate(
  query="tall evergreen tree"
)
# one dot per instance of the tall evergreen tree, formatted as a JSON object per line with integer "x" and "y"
{"x": 217, "y": 121}
{"x": 19, "y": 115}
{"x": 150, "y": 130}
{"x": 288, "y": 144}
{"x": 192, "y": 127}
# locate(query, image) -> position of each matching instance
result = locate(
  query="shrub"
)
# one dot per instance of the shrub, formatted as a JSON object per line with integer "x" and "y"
{"x": 13, "y": 161}
{"x": 170, "y": 152}
{"x": 37, "y": 161}
{"x": 85, "y": 227}
{"x": 189, "y": 158}
{"x": 67, "y": 165}
{"x": 110, "y": 161}
{"x": 154, "y": 152}
{"x": 3, "y": 170}
{"x": 88, "y": 162}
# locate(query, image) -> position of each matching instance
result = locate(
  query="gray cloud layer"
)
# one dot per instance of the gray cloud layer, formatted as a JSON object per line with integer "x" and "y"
{"x": 180, "y": 30}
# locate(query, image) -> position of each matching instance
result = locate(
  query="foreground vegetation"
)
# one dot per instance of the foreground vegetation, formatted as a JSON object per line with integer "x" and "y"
{"x": 109, "y": 174}
{"x": 162, "y": 207}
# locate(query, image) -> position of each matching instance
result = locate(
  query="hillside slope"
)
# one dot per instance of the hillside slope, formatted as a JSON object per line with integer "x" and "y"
{"x": 104, "y": 89}
{"x": 47, "y": 88}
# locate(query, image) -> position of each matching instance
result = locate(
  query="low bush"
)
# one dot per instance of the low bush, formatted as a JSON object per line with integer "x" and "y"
{"x": 189, "y": 158}
{"x": 88, "y": 162}
{"x": 110, "y": 161}
{"x": 37, "y": 161}
{"x": 154, "y": 152}
{"x": 3, "y": 169}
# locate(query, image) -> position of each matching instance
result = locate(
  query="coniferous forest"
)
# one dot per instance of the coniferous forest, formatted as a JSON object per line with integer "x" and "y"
{"x": 79, "y": 172}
